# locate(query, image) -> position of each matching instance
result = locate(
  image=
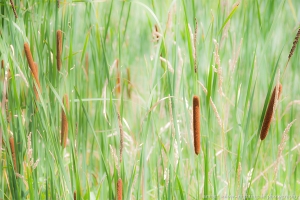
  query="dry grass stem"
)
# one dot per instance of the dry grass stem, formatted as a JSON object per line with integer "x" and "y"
{"x": 64, "y": 122}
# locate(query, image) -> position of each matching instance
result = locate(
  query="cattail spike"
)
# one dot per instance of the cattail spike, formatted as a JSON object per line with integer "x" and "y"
{"x": 32, "y": 66}
{"x": 64, "y": 122}
{"x": 119, "y": 189}
{"x": 270, "y": 111}
{"x": 58, "y": 49}
{"x": 196, "y": 123}
{"x": 13, "y": 152}
{"x": 14, "y": 8}
{"x": 74, "y": 195}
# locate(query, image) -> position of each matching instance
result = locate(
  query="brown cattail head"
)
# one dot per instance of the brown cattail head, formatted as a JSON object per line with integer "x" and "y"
{"x": 13, "y": 152}
{"x": 119, "y": 189}
{"x": 32, "y": 65}
{"x": 64, "y": 122}
{"x": 74, "y": 195}
{"x": 196, "y": 123}
{"x": 13, "y": 8}
{"x": 270, "y": 111}
{"x": 294, "y": 44}
{"x": 58, "y": 49}
{"x": 2, "y": 64}
{"x": 128, "y": 83}
{"x": 118, "y": 77}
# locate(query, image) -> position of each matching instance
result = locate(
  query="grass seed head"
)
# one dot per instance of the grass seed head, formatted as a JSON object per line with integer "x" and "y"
{"x": 294, "y": 44}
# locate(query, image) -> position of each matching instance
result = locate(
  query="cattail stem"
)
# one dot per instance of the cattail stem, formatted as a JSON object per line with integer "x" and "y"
{"x": 196, "y": 123}
{"x": 118, "y": 78}
{"x": 13, "y": 152}
{"x": 64, "y": 122}
{"x": 74, "y": 195}
{"x": 58, "y": 49}
{"x": 32, "y": 66}
{"x": 14, "y": 8}
{"x": 270, "y": 112}
{"x": 121, "y": 137}
{"x": 195, "y": 46}
{"x": 87, "y": 65}
{"x": 119, "y": 189}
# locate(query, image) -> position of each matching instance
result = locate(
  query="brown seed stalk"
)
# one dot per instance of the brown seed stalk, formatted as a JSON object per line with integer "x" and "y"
{"x": 269, "y": 114}
{"x": 74, "y": 195}
{"x": 196, "y": 123}
{"x": 64, "y": 122}
{"x": 294, "y": 45}
{"x": 13, "y": 152}
{"x": 58, "y": 49}
{"x": 13, "y": 8}
{"x": 2, "y": 64}
{"x": 119, "y": 189}
{"x": 32, "y": 66}
{"x": 58, "y": 3}
{"x": 128, "y": 83}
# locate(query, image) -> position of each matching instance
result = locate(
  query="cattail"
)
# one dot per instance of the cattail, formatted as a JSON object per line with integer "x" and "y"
{"x": 294, "y": 44}
{"x": 58, "y": 3}
{"x": 119, "y": 189}
{"x": 32, "y": 66}
{"x": 64, "y": 122}
{"x": 13, "y": 152}
{"x": 13, "y": 8}
{"x": 129, "y": 83}
{"x": 270, "y": 111}
{"x": 58, "y": 48}
{"x": 118, "y": 78}
{"x": 74, "y": 195}
{"x": 196, "y": 123}
{"x": 2, "y": 64}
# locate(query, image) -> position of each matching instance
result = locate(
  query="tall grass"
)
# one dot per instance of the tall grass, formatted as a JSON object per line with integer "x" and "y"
{"x": 130, "y": 122}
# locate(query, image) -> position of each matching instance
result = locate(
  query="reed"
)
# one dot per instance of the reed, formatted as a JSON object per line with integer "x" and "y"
{"x": 74, "y": 195}
{"x": 270, "y": 112}
{"x": 196, "y": 123}
{"x": 64, "y": 122}
{"x": 58, "y": 49}
{"x": 13, "y": 152}
{"x": 13, "y": 8}
{"x": 119, "y": 189}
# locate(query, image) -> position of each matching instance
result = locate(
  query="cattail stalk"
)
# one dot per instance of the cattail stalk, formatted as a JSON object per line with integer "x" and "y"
{"x": 58, "y": 3}
{"x": 196, "y": 123}
{"x": 2, "y": 64}
{"x": 14, "y": 8}
{"x": 195, "y": 46}
{"x": 119, "y": 189}
{"x": 64, "y": 122}
{"x": 32, "y": 66}
{"x": 270, "y": 112}
{"x": 74, "y": 195}
{"x": 87, "y": 65}
{"x": 58, "y": 49}
{"x": 121, "y": 136}
{"x": 13, "y": 152}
